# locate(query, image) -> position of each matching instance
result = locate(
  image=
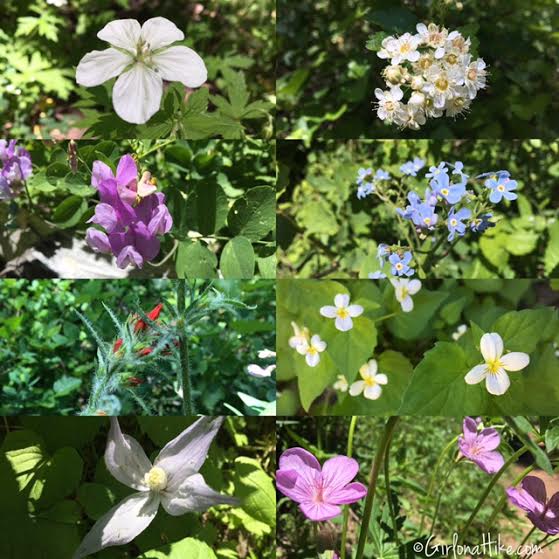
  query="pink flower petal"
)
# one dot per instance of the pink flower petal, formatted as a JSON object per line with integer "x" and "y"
{"x": 319, "y": 511}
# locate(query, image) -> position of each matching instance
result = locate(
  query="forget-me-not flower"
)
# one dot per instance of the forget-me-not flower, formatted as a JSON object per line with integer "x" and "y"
{"x": 411, "y": 168}
{"x": 400, "y": 265}
{"x": 454, "y": 222}
{"x": 501, "y": 188}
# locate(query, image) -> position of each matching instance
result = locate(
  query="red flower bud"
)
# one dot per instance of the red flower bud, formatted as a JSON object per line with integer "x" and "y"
{"x": 135, "y": 381}
{"x": 145, "y": 351}
{"x": 100, "y": 412}
{"x": 152, "y": 315}
{"x": 118, "y": 345}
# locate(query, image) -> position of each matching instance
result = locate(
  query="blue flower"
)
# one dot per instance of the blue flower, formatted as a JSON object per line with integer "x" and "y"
{"x": 400, "y": 265}
{"x": 377, "y": 275}
{"x": 381, "y": 175}
{"x": 454, "y": 222}
{"x": 452, "y": 193}
{"x": 382, "y": 251}
{"x": 425, "y": 216}
{"x": 363, "y": 190}
{"x": 435, "y": 171}
{"x": 500, "y": 188}
{"x": 362, "y": 174}
{"x": 481, "y": 223}
{"x": 494, "y": 174}
{"x": 458, "y": 166}
{"x": 412, "y": 167}
{"x": 414, "y": 200}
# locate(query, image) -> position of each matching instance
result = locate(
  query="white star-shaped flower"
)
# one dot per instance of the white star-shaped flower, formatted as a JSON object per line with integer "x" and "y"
{"x": 371, "y": 383}
{"x": 142, "y": 58}
{"x": 493, "y": 371}
{"x": 172, "y": 481}
{"x": 343, "y": 312}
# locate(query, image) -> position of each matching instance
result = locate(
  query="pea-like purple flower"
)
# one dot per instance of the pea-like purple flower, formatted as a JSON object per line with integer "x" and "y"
{"x": 16, "y": 168}
{"x": 131, "y": 213}
{"x": 532, "y": 498}
{"x": 319, "y": 491}
{"x": 480, "y": 446}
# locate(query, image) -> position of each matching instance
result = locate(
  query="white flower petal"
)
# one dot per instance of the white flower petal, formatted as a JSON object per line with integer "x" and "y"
{"x": 181, "y": 64}
{"x": 407, "y": 304}
{"x": 341, "y": 300}
{"x": 328, "y": 311}
{"x": 357, "y": 387}
{"x": 344, "y": 324}
{"x": 121, "y": 524}
{"x": 317, "y": 343}
{"x": 515, "y": 361}
{"x": 497, "y": 383}
{"x": 302, "y": 348}
{"x": 125, "y": 458}
{"x": 372, "y": 365}
{"x": 498, "y": 343}
{"x": 123, "y": 33}
{"x": 159, "y": 32}
{"x": 137, "y": 94}
{"x": 99, "y": 66}
{"x": 194, "y": 495}
{"x": 355, "y": 310}
{"x": 490, "y": 344}
{"x": 372, "y": 392}
{"x": 185, "y": 454}
{"x": 312, "y": 359}
{"x": 258, "y": 372}
{"x": 414, "y": 286}
{"x": 477, "y": 374}
{"x": 381, "y": 378}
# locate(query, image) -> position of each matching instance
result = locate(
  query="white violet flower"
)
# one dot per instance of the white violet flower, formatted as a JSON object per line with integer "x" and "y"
{"x": 301, "y": 336}
{"x": 172, "y": 481}
{"x": 343, "y": 312}
{"x": 341, "y": 384}
{"x": 371, "y": 385}
{"x": 266, "y": 354}
{"x": 493, "y": 371}
{"x": 257, "y": 371}
{"x": 142, "y": 58}
{"x": 460, "y": 331}
{"x": 312, "y": 350}
{"x": 404, "y": 289}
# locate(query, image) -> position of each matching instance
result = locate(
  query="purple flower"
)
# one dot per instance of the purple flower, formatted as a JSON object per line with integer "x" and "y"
{"x": 131, "y": 213}
{"x": 319, "y": 491}
{"x": 442, "y": 186}
{"x": 16, "y": 168}
{"x": 501, "y": 187}
{"x": 454, "y": 222}
{"x": 479, "y": 447}
{"x": 400, "y": 265}
{"x": 532, "y": 498}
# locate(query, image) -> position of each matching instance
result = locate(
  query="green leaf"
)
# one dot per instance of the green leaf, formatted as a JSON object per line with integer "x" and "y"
{"x": 200, "y": 126}
{"x": 237, "y": 259}
{"x": 552, "y": 439}
{"x": 395, "y": 19}
{"x": 69, "y": 212}
{"x": 256, "y": 489}
{"x": 267, "y": 266}
{"x": 189, "y": 547}
{"x": 179, "y": 154}
{"x": 254, "y": 215}
{"x": 374, "y": 42}
{"x": 96, "y": 499}
{"x": 195, "y": 260}
{"x": 66, "y": 385}
{"x": 551, "y": 256}
{"x": 206, "y": 207}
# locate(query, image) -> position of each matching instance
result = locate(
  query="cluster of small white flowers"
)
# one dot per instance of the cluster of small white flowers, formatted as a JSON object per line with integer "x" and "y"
{"x": 437, "y": 68}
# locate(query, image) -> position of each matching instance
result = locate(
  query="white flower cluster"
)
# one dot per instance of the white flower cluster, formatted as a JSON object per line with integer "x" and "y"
{"x": 436, "y": 66}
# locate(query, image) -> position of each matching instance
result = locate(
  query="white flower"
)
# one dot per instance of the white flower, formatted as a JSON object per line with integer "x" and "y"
{"x": 496, "y": 364}
{"x": 172, "y": 481}
{"x": 389, "y": 104}
{"x": 412, "y": 116}
{"x": 57, "y": 3}
{"x": 389, "y": 48}
{"x": 343, "y": 312}
{"x": 475, "y": 76}
{"x": 459, "y": 103}
{"x": 371, "y": 383}
{"x": 266, "y": 354}
{"x": 460, "y": 331}
{"x": 257, "y": 371}
{"x": 404, "y": 289}
{"x": 433, "y": 37}
{"x": 142, "y": 58}
{"x": 301, "y": 336}
{"x": 312, "y": 350}
{"x": 341, "y": 384}
{"x": 406, "y": 49}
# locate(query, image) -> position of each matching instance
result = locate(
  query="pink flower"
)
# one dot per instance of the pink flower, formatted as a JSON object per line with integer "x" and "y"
{"x": 319, "y": 492}
{"x": 479, "y": 447}
{"x": 532, "y": 498}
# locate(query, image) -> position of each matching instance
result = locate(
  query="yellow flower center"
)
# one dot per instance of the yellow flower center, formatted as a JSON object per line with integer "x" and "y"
{"x": 452, "y": 59}
{"x": 370, "y": 381}
{"x": 453, "y": 222}
{"x": 427, "y": 220}
{"x": 398, "y": 266}
{"x": 444, "y": 191}
{"x": 501, "y": 188}
{"x": 342, "y": 313}
{"x": 156, "y": 479}
{"x": 441, "y": 84}
{"x": 472, "y": 74}
{"x": 312, "y": 350}
{"x": 494, "y": 366}
{"x": 405, "y": 48}
{"x": 390, "y": 106}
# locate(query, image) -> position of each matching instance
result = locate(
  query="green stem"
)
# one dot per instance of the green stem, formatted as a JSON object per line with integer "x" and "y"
{"x": 157, "y": 147}
{"x": 550, "y": 542}
{"x": 187, "y": 407}
{"x": 386, "y": 316}
{"x": 488, "y": 489}
{"x": 499, "y": 506}
{"x": 375, "y": 469}
{"x": 350, "y": 434}
{"x": 439, "y": 496}
{"x": 527, "y": 537}
{"x": 389, "y": 495}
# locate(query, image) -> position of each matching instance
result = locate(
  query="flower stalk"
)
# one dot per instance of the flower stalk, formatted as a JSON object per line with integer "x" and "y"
{"x": 184, "y": 370}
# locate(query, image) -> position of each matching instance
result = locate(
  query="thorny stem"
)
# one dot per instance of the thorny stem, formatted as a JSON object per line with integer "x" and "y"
{"x": 488, "y": 489}
{"x": 375, "y": 470}
{"x": 184, "y": 370}
{"x": 350, "y": 434}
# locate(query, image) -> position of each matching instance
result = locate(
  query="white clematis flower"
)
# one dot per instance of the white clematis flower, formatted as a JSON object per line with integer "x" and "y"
{"x": 496, "y": 364}
{"x": 404, "y": 289}
{"x": 172, "y": 481}
{"x": 142, "y": 58}
{"x": 312, "y": 350}
{"x": 371, "y": 383}
{"x": 343, "y": 312}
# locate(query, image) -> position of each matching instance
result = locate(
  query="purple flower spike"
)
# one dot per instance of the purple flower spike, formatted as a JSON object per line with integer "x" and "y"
{"x": 132, "y": 214}
{"x": 15, "y": 168}
{"x": 319, "y": 491}
{"x": 532, "y": 498}
{"x": 479, "y": 447}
